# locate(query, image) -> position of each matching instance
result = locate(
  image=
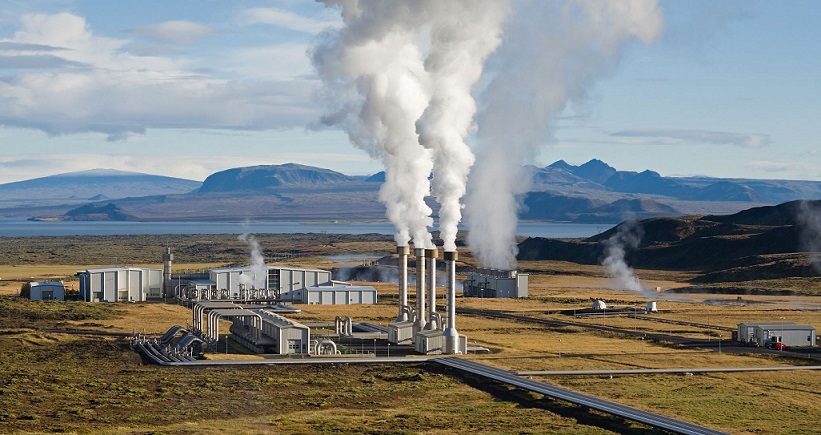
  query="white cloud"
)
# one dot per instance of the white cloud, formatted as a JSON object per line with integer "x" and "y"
{"x": 695, "y": 137}
{"x": 285, "y": 19}
{"x": 177, "y": 32}
{"x": 784, "y": 166}
{"x": 94, "y": 84}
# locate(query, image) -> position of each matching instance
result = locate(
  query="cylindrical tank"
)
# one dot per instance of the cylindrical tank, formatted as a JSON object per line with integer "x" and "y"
{"x": 430, "y": 259}
{"x": 651, "y": 307}
{"x": 403, "y": 252}
{"x": 450, "y": 333}
{"x": 421, "y": 314}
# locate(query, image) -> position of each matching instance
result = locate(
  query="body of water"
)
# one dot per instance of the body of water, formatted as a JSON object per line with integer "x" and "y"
{"x": 24, "y": 228}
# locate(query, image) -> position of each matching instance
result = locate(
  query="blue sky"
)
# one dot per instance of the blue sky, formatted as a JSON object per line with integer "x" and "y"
{"x": 187, "y": 88}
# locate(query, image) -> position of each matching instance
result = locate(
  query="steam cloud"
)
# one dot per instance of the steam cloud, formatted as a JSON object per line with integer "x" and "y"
{"x": 809, "y": 221}
{"x": 552, "y": 54}
{"x": 398, "y": 78}
{"x": 628, "y": 236}
{"x": 259, "y": 272}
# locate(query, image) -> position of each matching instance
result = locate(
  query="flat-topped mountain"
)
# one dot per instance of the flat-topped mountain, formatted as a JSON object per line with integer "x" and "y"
{"x": 268, "y": 176}
{"x": 95, "y": 183}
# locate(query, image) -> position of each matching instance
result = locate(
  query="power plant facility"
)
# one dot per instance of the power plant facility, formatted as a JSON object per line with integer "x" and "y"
{"x": 429, "y": 331}
{"x": 277, "y": 284}
{"x": 495, "y": 283}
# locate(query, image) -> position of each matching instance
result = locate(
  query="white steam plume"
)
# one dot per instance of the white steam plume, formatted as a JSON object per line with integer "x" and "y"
{"x": 809, "y": 221}
{"x": 553, "y": 52}
{"x": 627, "y": 236}
{"x": 462, "y": 35}
{"x": 376, "y": 87}
{"x": 259, "y": 272}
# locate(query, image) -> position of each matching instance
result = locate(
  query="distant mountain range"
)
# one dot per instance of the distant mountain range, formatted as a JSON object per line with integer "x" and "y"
{"x": 95, "y": 185}
{"x": 592, "y": 192}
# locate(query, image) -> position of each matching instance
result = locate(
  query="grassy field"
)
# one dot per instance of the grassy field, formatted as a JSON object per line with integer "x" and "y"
{"x": 65, "y": 383}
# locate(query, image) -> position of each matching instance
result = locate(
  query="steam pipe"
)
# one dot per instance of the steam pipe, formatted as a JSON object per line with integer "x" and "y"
{"x": 421, "y": 321}
{"x": 430, "y": 258}
{"x": 403, "y": 252}
{"x": 450, "y": 333}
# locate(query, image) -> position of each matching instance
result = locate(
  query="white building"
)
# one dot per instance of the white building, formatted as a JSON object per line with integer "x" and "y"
{"x": 759, "y": 333}
{"x": 290, "y": 284}
{"x": 494, "y": 283}
{"x": 47, "y": 291}
{"x": 120, "y": 284}
{"x": 278, "y": 334}
{"x": 337, "y": 295}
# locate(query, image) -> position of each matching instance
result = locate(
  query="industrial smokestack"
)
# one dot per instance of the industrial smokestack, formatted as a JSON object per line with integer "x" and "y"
{"x": 403, "y": 252}
{"x": 451, "y": 335}
{"x": 430, "y": 257}
{"x": 421, "y": 320}
{"x": 167, "y": 257}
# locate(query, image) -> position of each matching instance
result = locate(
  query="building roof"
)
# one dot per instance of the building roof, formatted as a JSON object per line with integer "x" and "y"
{"x": 118, "y": 268}
{"x": 279, "y": 321}
{"x": 777, "y": 325}
{"x": 47, "y": 283}
{"x": 246, "y": 268}
{"x": 360, "y": 288}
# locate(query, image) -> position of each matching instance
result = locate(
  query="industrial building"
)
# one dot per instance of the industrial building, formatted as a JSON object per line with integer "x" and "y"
{"x": 47, "y": 291}
{"x": 281, "y": 284}
{"x": 764, "y": 333}
{"x": 277, "y": 334}
{"x": 495, "y": 283}
{"x": 120, "y": 284}
{"x": 258, "y": 328}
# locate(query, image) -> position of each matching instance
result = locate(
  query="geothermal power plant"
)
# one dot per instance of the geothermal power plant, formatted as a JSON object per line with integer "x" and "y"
{"x": 422, "y": 326}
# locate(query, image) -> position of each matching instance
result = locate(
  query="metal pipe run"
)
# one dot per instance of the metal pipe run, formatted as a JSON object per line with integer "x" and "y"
{"x": 403, "y": 252}
{"x": 450, "y": 333}
{"x": 430, "y": 258}
{"x": 421, "y": 321}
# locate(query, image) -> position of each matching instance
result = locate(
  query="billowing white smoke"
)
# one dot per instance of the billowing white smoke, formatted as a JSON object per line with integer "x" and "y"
{"x": 628, "y": 236}
{"x": 809, "y": 220}
{"x": 376, "y": 87}
{"x": 398, "y": 78}
{"x": 553, "y": 52}
{"x": 463, "y": 34}
{"x": 259, "y": 272}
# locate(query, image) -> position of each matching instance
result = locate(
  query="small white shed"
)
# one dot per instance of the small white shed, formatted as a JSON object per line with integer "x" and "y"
{"x": 47, "y": 291}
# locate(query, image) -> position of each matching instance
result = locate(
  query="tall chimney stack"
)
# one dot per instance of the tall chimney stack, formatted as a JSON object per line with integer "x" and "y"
{"x": 421, "y": 320}
{"x": 167, "y": 257}
{"x": 430, "y": 258}
{"x": 403, "y": 252}
{"x": 450, "y": 333}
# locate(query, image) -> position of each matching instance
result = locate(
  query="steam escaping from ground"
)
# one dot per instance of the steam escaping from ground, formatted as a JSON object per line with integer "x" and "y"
{"x": 628, "y": 236}
{"x": 462, "y": 35}
{"x": 376, "y": 87}
{"x": 553, "y": 52}
{"x": 809, "y": 221}
{"x": 259, "y": 272}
